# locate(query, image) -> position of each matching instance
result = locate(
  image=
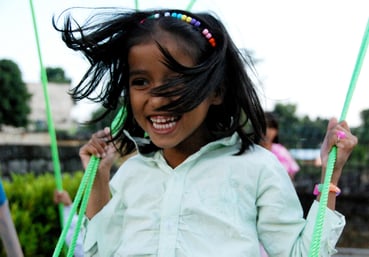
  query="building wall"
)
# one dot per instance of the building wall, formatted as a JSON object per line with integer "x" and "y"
{"x": 60, "y": 101}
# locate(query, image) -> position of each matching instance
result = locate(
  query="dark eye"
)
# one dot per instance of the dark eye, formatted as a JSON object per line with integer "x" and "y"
{"x": 139, "y": 82}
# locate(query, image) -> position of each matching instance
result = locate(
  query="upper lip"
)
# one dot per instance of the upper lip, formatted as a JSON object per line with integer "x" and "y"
{"x": 163, "y": 118}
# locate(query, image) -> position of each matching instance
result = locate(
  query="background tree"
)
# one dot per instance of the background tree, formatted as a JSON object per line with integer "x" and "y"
{"x": 296, "y": 132}
{"x": 311, "y": 132}
{"x": 364, "y": 128}
{"x": 15, "y": 98}
{"x": 360, "y": 154}
{"x": 288, "y": 124}
{"x": 99, "y": 120}
{"x": 56, "y": 75}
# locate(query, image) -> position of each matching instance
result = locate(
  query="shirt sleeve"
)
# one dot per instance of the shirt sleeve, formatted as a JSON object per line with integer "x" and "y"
{"x": 333, "y": 225}
{"x": 78, "y": 250}
{"x": 282, "y": 229}
{"x": 103, "y": 232}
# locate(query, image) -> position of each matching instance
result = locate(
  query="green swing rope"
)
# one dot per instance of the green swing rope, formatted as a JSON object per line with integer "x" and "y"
{"x": 88, "y": 176}
{"x": 84, "y": 190}
{"x": 190, "y": 5}
{"x": 315, "y": 245}
{"x": 51, "y": 129}
{"x": 136, "y": 4}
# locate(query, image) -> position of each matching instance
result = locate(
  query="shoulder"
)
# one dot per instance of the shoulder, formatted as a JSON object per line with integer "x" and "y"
{"x": 258, "y": 168}
{"x": 258, "y": 155}
{"x": 129, "y": 169}
{"x": 266, "y": 163}
{"x": 280, "y": 151}
{"x": 278, "y": 148}
{"x": 256, "y": 163}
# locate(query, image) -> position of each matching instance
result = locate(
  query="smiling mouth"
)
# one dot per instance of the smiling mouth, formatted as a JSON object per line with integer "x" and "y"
{"x": 164, "y": 122}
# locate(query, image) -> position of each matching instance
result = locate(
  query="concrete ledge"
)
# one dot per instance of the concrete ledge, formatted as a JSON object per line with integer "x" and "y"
{"x": 36, "y": 139}
{"x": 18, "y": 138}
{"x": 352, "y": 252}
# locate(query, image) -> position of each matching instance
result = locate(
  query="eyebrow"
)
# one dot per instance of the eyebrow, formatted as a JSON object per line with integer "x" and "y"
{"x": 137, "y": 72}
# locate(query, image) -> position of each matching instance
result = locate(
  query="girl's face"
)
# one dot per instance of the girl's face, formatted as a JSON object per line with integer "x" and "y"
{"x": 178, "y": 136}
{"x": 267, "y": 141}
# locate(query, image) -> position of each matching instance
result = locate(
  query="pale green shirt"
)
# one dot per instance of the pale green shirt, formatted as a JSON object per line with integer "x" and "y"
{"x": 215, "y": 203}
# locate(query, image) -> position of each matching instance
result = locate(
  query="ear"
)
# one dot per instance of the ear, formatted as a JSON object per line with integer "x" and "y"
{"x": 218, "y": 96}
{"x": 217, "y": 100}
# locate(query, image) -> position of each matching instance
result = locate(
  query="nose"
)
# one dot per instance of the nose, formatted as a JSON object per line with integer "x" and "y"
{"x": 158, "y": 101}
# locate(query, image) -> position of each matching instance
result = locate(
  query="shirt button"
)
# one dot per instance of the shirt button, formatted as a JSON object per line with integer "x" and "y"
{"x": 170, "y": 226}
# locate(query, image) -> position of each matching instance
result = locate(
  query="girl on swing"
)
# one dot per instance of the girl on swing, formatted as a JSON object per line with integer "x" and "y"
{"x": 199, "y": 185}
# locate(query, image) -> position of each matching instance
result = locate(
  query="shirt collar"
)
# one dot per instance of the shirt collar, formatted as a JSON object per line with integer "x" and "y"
{"x": 233, "y": 140}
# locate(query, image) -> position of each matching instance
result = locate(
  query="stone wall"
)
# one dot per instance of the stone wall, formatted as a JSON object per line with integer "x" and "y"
{"x": 22, "y": 159}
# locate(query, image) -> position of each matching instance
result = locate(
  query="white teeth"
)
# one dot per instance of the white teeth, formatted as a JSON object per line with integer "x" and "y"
{"x": 164, "y": 126}
{"x": 162, "y": 119}
{"x": 162, "y": 122}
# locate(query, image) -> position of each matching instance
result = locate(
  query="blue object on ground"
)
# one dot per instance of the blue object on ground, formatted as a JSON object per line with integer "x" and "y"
{"x": 2, "y": 194}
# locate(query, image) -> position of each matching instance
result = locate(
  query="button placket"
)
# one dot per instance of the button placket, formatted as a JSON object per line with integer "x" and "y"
{"x": 170, "y": 214}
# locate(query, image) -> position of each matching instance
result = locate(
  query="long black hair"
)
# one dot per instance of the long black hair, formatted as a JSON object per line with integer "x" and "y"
{"x": 105, "y": 40}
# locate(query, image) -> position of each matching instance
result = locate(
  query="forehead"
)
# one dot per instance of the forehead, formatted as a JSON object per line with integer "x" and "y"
{"x": 150, "y": 51}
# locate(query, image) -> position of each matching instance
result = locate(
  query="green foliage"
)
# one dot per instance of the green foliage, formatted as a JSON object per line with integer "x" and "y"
{"x": 311, "y": 133}
{"x": 35, "y": 216}
{"x": 362, "y": 132}
{"x": 297, "y": 132}
{"x": 14, "y": 104}
{"x": 56, "y": 75}
{"x": 100, "y": 119}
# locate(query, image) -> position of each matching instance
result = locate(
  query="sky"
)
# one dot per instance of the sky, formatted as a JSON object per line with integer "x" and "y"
{"x": 307, "y": 50}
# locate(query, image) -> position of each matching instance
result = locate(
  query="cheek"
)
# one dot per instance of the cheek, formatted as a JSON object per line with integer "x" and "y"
{"x": 134, "y": 98}
{"x": 135, "y": 104}
{"x": 269, "y": 135}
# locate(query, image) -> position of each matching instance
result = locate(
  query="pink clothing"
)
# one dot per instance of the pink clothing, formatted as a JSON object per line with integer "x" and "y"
{"x": 263, "y": 252}
{"x": 285, "y": 158}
